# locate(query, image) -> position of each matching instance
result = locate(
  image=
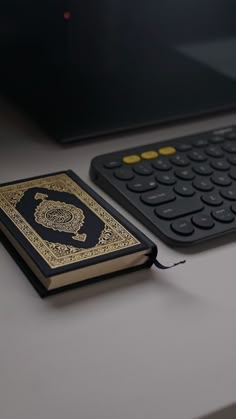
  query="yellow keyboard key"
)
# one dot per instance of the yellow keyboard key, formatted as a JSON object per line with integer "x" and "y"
{"x": 149, "y": 155}
{"x": 166, "y": 151}
{"x": 134, "y": 158}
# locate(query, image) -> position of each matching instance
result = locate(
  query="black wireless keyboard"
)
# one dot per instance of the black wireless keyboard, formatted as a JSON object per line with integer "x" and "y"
{"x": 183, "y": 190}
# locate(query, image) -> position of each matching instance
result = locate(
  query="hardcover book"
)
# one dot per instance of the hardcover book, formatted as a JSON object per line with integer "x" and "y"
{"x": 63, "y": 234}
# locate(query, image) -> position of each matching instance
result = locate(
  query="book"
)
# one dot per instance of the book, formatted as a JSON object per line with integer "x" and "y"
{"x": 63, "y": 234}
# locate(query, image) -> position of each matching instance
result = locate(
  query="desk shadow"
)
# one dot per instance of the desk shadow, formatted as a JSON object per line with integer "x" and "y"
{"x": 228, "y": 412}
{"x": 210, "y": 245}
{"x": 120, "y": 284}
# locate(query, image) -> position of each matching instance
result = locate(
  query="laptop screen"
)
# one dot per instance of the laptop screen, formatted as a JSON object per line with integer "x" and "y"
{"x": 116, "y": 64}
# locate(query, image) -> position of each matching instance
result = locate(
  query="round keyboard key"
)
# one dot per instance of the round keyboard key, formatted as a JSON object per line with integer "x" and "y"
{"x": 179, "y": 160}
{"x": 229, "y": 147}
{"x": 232, "y": 160}
{"x": 220, "y": 165}
{"x": 202, "y": 184}
{"x": 141, "y": 186}
{"x": 124, "y": 173}
{"x": 201, "y": 142}
{"x": 167, "y": 151}
{"x": 214, "y": 151}
{"x": 197, "y": 156}
{"x": 134, "y": 158}
{"x": 112, "y": 164}
{"x": 143, "y": 169}
{"x": 221, "y": 179}
{"x": 229, "y": 194}
{"x": 166, "y": 179}
{"x": 149, "y": 155}
{"x": 232, "y": 173}
{"x": 203, "y": 221}
{"x": 184, "y": 147}
{"x": 184, "y": 189}
{"x": 216, "y": 139}
{"x": 203, "y": 169}
{"x": 157, "y": 197}
{"x": 223, "y": 215}
{"x": 212, "y": 199}
{"x": 184, "y": 174}
{"x": 161, "y": 164}
{"x": 183, "y": 228}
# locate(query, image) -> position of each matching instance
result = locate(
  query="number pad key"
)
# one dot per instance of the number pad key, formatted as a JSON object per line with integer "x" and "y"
{"x": 179, "y": 208}
{"x": 223, "y": 215}
{"x": 203, "y": 170}
{"x": 202, "y": 184}
{"x": 157, "y": 197}
{"x": 185, "y": 174}
{"x": 182, "y": 227}
{"x": 141, "y": 185}
{"x": 212, "y": 199}
{"x": 166, "y": 178}
{"x": 184, "y": 189}
{"x": 143, "y": 169}
{"x": 162, "y": 164}
{"x": 179, "y": 160}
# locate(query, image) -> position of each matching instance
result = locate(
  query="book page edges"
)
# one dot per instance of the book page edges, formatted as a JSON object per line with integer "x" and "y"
{"x": 79, "y": 274}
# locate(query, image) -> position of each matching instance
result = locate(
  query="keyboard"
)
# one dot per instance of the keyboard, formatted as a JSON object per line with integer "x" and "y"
{"x": 183, "y": 189}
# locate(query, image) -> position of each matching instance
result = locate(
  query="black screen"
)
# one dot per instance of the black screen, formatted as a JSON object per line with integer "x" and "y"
{"x": 100, "y": 66}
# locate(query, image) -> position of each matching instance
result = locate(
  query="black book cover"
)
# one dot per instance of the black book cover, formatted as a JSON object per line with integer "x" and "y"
{"x": 63, "y": 225}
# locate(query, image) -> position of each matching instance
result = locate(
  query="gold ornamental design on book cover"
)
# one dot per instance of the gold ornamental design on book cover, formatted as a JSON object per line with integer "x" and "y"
{"x": 60, "y": 216}
{"x": 65, "y": 219}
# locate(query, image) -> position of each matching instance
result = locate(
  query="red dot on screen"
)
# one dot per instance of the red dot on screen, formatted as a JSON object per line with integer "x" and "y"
{"x": 67, "y": 15}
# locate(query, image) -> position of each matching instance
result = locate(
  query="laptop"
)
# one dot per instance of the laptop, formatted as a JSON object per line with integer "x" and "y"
{"x": 84, "y": 71}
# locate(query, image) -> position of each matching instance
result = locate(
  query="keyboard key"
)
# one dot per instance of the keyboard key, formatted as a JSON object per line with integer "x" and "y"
{"x": 166, "y": 179}
{"x": 221, "y": 179}
{"x": 232, "y": 160}
{"x": 212, "y": 199}
{"x": 112, "y": 164}
{"x": 182, "y": 227}
{"x": 162, "y": 164}
{"x": 197, "y": 156}
{"x": 203, "y": 221}
{"x": 202, "y": 184}
{"x": 157, "y": 197}
{"x": 184, "y": 189}
{"x": 134, "y": 158}
{"x": 230, "y": 147}
{"x": 223, "y": 215}
{"x": 203, "y": 169}
{"x": 143, "y": 169}
{"x": 220, "y": 165}
{"x": 201, "y": 142}
{"x": 141, "y": 186}
{"x": 216, "y": 139}
{"x": 185, "y": 174}
{"x": 124, "y": 173}
{"x": 179, "y": 160}
{"x": 167, "y": 151}
{"x": 179, "y": 208}
{"x": 229, "y": 194}
{"x": 214, "y": 151}
{"x": 183, "y": 147}
{"x": 149, "y": 155}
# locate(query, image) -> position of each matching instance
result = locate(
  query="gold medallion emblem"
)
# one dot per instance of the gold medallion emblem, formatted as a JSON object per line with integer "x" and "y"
{"x": 60, "y": 216}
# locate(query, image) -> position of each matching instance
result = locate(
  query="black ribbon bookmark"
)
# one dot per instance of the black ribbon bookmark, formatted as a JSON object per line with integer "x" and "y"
{"x": 160, "y": 266}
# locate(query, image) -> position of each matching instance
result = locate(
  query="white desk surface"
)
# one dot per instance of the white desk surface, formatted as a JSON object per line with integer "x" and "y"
{"x": 148, "y": 345}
